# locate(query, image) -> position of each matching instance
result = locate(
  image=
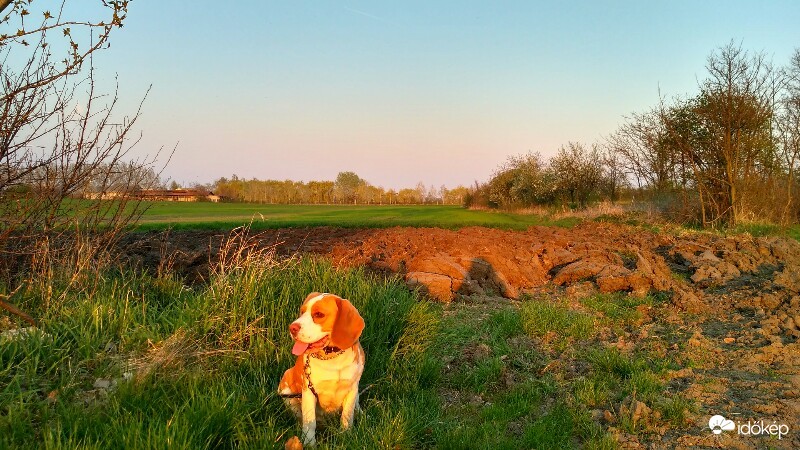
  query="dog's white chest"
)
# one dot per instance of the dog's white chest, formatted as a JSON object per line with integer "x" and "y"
{"x": 333, "y": 379}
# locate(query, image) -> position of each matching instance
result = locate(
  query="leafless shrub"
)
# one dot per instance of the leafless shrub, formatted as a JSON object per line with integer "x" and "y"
{"x": 59, "y": 139}
{"x": 728, "y": 154}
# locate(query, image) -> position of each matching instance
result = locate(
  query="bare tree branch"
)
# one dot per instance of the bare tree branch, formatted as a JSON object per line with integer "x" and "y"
{"x": 4, "y": 4}
{"x": 60, "y": 141}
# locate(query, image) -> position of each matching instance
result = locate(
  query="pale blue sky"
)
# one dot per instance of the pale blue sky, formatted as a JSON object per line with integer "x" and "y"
{"x": 402, "y": 92}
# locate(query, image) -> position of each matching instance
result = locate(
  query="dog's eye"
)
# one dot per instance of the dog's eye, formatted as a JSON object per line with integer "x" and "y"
{"x": 318, "y": 315}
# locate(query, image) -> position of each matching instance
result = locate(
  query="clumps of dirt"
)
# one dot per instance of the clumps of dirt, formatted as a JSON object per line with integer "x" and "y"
{"x": 761, "y": 275}
{"x": 447, "y": 264}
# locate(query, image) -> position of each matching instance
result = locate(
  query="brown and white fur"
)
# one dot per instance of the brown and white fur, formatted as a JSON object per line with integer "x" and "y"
{"x": 325, "y": 321}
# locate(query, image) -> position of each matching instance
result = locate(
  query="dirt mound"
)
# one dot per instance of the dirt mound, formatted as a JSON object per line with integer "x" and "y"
{"x": 476, "y": 260}
{"x": 488, "y": 261}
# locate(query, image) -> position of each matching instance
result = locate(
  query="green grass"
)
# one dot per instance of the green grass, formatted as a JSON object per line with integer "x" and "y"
{"x": 498, "y": 386}
{"x": 206, "y": 362}
{"x": 619, "y": 311}
{"x": 493, "y": 399}
{"x": 197, "y": 367}
{"x": 204, "y": 215}
{"x": 540, "y": 317}
{"x": 618, "y": 377}
{"x": 226, "y": 216}
{"x": 761, "y": 229}
{"x": 617, "y": 306}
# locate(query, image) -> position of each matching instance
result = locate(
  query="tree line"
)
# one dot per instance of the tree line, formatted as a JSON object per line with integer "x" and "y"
{"x": 348, "y": 188}
{"x": 726, "y": 154}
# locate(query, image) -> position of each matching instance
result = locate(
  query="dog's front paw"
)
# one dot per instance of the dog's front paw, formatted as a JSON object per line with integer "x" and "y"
{"x": 309, "y": 441}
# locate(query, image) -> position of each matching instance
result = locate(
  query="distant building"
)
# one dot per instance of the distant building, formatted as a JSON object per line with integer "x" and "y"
{"x": 175, "y": 195}
{"x": 103, "y": 195}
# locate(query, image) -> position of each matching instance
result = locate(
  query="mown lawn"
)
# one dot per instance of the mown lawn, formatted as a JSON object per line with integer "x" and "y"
{"x": 202, "y": 215}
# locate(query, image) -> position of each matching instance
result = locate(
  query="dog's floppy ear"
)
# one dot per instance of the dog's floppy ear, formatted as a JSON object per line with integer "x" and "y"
{"x": 348, "y": 326}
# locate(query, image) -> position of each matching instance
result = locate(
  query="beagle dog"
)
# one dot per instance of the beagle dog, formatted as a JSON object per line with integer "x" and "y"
{"x": 329, "y": 363}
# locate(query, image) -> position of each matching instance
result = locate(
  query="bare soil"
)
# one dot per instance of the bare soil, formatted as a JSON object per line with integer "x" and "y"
{"x": 734, "y": 301}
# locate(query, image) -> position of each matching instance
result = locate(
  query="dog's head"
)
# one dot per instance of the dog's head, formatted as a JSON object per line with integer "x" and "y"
{"x": 325, "y": 320}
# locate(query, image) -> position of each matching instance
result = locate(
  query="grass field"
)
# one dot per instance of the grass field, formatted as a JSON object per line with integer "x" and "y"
{"x": 532, "y": 374}
{"x": 226, "y": 216}
{"x": 202, "y": 215}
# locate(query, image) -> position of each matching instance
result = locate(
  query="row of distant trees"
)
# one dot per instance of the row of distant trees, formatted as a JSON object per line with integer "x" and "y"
{"x": 348, "y": 188}
{"x": 729, "y": 153}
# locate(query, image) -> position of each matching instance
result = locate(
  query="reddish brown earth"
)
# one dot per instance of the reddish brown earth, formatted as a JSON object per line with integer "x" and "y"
{"x": 446, "y": 264}
{"x": 735, "y": 299}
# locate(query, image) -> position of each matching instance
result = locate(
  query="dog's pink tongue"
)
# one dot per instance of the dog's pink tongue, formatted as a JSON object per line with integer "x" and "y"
{"x": 299, "y": 348}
